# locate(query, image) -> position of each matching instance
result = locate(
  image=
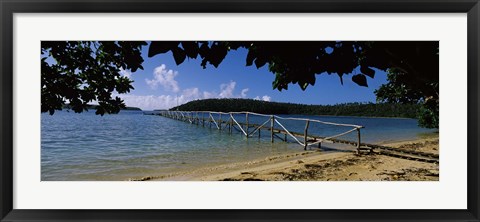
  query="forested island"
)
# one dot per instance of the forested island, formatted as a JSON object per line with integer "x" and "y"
{"x": 67, "y": 107}
{"x": 343, "y": 109}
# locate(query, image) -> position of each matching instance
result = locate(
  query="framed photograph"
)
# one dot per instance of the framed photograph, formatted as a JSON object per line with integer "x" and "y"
{"x": 231, "y": 110}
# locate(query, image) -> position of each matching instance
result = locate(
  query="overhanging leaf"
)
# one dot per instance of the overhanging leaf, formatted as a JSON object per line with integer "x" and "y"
{"x": 367, "y": 71}
{"x": 260, "y": 61}
{"x": 191, "y": 49}
{"x": 303, "y": 86}
{"x": 310, "y": 79}
{"x": 360, "y": 79}
{"x": 158, "y": 47}
{"x": 250, "y": 57}
{"x": 217, "y": 54}
{"x": 179, "y": 55}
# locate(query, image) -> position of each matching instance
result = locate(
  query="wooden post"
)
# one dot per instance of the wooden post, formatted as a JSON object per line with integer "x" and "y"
{"x": 271, "y": 127}
{"x": 358, "y": 144}
{"x": 259, "y": 131}
{"x": 305, "y": 135}
{"x": 231, "y": 123}
{"x": 219, "y": 121}
{"x": 246, "y": 124}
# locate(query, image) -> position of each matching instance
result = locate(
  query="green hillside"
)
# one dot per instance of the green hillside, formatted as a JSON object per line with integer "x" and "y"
{"x": 344, "y": 109}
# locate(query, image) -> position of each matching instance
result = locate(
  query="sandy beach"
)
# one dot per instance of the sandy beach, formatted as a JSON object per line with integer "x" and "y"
{"x": 318, "y": 165}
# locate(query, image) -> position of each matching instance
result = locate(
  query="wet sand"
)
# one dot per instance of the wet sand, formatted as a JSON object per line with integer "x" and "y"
{"x": 318, "y": 165}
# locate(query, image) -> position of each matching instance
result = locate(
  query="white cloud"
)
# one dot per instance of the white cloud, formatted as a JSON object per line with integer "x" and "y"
{"x": 151, "y": 102}
{"x": 209, "y": 95}
{"x": 165, "y": 78}
{"x": 191, "y": 93}
{"x": 227, "y": 90}
{"x": 125, "y": 73}
{"x": 243, "y": 94}
{"x": 264, "y": 98}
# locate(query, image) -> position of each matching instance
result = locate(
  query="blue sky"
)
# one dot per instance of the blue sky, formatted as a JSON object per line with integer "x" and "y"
{"x": 162, "y": 84}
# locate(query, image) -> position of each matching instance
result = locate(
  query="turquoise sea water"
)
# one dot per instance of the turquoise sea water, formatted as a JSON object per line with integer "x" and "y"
{"x": 132, "y": 145}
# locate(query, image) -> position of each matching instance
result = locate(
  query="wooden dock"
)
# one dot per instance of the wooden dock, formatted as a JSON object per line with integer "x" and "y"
{"x": 274, "y": 127}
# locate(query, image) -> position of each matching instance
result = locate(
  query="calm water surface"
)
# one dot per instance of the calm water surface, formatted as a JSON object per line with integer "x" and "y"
{"x": 132, "y": 145}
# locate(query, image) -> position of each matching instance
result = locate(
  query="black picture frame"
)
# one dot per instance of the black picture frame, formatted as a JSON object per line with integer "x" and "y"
{"x": 9, "y": 7}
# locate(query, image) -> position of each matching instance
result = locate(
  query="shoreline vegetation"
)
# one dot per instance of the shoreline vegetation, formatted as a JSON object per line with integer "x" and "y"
{"x": 89, "y": 106}
{"x": 317, "y": 165}
{"x": 383, "y": 110}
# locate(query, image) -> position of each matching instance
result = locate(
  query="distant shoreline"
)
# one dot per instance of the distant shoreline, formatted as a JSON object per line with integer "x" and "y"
{"x": 373, "y": 117}
{"x": 90, "y": 106}
{"x": 357, "y": 109}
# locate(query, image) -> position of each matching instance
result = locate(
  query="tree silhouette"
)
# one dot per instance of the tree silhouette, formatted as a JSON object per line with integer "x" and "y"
{"x": 400, "y": 89}
{"x": 79, "y": 72}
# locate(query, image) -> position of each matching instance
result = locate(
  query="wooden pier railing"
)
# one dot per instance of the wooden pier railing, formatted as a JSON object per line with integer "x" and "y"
{"x": 224, "y": 121}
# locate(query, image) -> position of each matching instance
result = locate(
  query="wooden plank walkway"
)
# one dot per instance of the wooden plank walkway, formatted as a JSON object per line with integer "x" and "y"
{"x": 306, "y": 138}
{"x": 229, "y": 122}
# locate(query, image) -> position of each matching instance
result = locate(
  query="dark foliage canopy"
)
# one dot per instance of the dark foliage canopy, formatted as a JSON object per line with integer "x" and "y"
{"x": 78, "y": 72}
{"x": 86, "y": 71}
{"x": 413, "y": 66}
